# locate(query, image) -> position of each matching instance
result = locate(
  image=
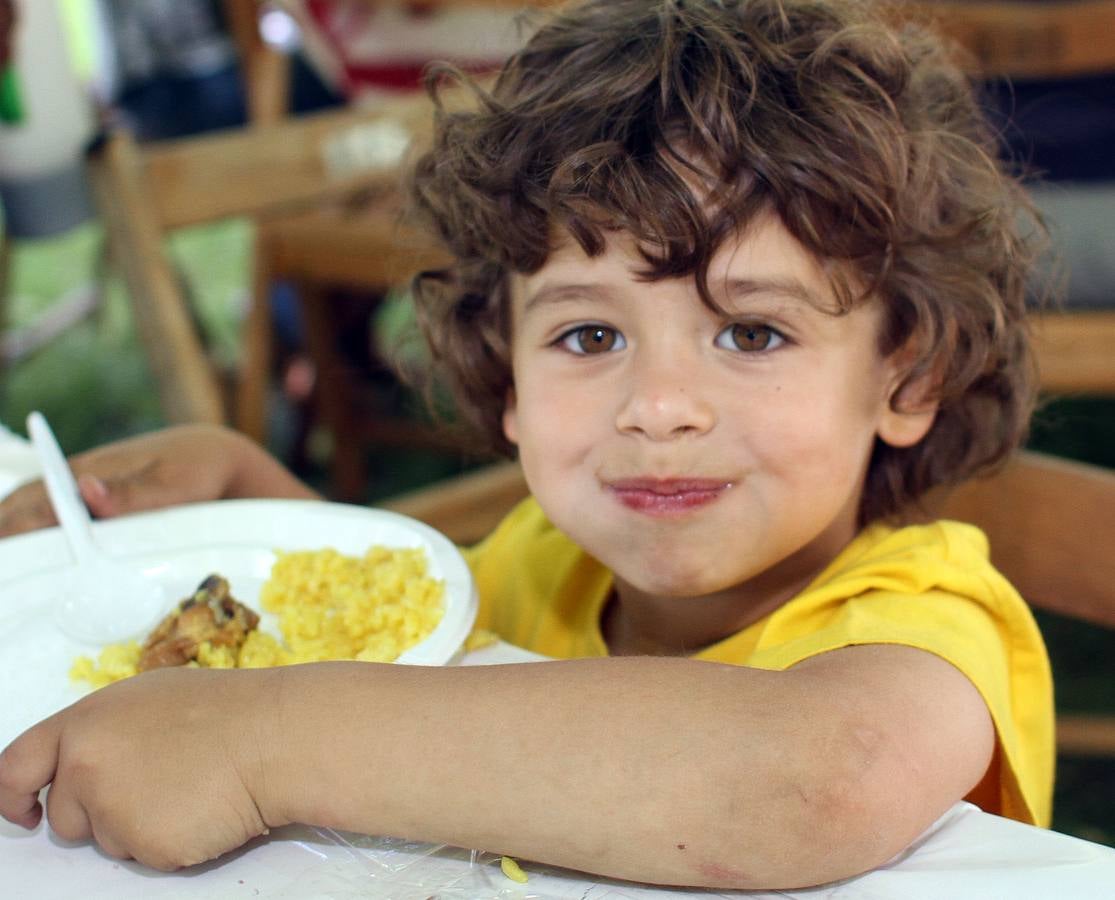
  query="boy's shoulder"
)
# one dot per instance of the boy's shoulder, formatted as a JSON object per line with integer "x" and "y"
{"x": 932, "y": 558}
{"x": 919, "y": 547}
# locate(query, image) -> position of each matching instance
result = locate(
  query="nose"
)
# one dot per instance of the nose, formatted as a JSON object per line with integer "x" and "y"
{"x": 664, "y": 402}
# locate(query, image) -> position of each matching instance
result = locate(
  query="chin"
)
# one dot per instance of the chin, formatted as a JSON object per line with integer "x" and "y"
{"x": 680, "y": 582}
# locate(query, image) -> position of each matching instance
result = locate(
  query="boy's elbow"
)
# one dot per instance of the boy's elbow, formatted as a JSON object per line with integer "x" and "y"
{"x": 822, "y": 838}
{"x": 855, "y": 809}
{"x": 845, "y": 826}
{"x": 830, "y": 818}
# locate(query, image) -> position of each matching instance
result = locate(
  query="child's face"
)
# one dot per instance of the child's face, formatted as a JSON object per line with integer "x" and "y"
{"x": 691, "y": 451}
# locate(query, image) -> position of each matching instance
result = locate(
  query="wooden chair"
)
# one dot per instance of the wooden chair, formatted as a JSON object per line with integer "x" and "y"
{"x": 1050, "y": 522}
{"x": 319, "y": 252}
{"x": 280, "y": 174}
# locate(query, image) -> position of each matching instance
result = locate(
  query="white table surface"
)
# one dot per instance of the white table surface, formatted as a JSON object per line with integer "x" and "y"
{"x": 965, "y": 854}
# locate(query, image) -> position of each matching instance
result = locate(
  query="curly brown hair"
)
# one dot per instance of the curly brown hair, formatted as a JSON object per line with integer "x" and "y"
{"x": 864, "y": 136}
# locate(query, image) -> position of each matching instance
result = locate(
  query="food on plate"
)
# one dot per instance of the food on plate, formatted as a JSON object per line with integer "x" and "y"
{"x": 116, "y": 661}
{"x": 211, "y": 616}
{"x": 327, "y": 606}
{"x": 332, "y": 606}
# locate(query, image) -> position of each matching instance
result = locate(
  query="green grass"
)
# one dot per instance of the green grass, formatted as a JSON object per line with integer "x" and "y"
{"x": 92, "y": 384}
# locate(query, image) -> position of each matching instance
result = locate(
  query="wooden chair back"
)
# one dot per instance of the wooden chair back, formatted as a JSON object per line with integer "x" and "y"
{"x": 1063, "y": 38}
{"x": 1051, "y": 524}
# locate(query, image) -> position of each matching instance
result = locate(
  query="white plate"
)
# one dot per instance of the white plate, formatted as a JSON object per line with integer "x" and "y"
{"x": 180, "y": 546}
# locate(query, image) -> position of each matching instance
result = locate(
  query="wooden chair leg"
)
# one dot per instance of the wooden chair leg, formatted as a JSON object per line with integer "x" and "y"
{"x": 184, "y": 378}
{"x": 334, "y": 396}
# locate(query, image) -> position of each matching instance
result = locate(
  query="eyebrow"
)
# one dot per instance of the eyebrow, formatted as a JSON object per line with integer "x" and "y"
{"x": 557, "y": 293}
{"x": 788, "y": 287}
{"x": 736, "y": 288}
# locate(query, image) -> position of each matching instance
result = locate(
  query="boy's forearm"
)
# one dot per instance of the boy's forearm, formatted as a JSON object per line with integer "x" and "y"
{"x": 256, "y": 473}
{"x": 670, "y": 771}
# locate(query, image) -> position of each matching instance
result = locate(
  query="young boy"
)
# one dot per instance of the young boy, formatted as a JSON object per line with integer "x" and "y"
{"x": 739, "y": 282}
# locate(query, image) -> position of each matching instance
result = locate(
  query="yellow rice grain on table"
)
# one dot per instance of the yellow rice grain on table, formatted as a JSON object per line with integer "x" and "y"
{"x": 512, "y": 869}
{"x": 479, "y": 638}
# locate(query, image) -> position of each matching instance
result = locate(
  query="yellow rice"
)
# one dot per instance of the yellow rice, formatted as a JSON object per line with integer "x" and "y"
{"x": 328, "y": 606}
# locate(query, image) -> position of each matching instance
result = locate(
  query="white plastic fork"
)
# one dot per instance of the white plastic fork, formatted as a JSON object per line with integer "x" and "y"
{"x": 102, "y": 599}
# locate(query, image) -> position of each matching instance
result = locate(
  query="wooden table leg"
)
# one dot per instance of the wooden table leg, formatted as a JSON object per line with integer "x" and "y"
{"x": 336, "y": 399}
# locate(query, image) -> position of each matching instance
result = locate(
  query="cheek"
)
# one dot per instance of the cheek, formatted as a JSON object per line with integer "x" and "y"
{"x": 813, "y": 434}
{"x": 558, "y": 434}
{"x": 548, "y": 409}
{"x": 530, "y": 423}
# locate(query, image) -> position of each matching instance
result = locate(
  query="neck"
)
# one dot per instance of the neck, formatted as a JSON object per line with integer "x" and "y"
{"x": 639, "y": 623}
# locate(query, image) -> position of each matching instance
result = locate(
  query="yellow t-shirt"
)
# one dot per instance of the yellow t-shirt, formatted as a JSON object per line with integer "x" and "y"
{"x": 929, "y": 586}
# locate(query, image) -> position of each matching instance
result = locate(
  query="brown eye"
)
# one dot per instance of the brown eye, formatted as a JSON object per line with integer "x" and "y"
{"x": 592, "y": 339}
{"x": 749, "y": 337}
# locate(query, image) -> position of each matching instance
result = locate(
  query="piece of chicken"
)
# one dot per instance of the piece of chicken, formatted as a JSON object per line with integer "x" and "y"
{"x": 211, "y": 614}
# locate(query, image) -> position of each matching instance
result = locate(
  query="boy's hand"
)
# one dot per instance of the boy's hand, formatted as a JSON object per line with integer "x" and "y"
{"x": 177, "y": 465}
{"x": 150, "y": 471}
{"x": 164, "y": 768}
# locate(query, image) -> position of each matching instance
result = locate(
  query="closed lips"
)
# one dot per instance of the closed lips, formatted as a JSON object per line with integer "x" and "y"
{"x": 667, "y": 496}
{"x": 669, "y": 486}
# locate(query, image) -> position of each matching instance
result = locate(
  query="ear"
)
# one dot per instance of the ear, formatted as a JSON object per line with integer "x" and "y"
{"x": 911, "y": 407}
{"x": 511, "y": 417}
